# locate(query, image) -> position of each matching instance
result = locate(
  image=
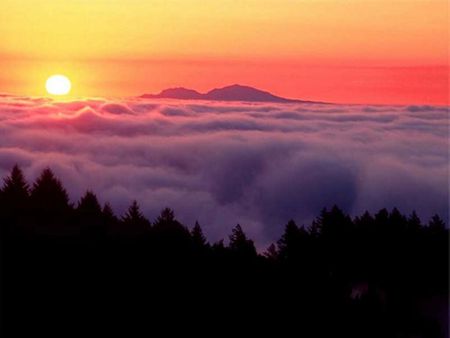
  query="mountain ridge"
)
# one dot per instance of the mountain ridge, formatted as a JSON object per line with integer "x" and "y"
{"x": 235, "y": 92}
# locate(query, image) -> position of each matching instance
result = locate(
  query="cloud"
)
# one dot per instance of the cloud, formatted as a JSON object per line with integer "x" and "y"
{"x": 115, "y": 108}
{"x": 421, "y": 109}
{"x": 223, "y": 163}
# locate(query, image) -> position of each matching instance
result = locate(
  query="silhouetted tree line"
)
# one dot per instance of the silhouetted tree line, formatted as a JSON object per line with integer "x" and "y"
{"x": 67, "y": 267}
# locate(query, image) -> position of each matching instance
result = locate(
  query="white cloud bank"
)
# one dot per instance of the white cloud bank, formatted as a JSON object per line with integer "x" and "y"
{"x": 223, "y": 163}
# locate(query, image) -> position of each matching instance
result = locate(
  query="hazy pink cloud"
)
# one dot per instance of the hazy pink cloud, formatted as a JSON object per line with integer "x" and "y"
{"x": 223, "y": 163}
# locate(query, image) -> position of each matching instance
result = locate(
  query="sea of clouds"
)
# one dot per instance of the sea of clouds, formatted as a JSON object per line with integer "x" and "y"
{"x": 223, "y": 163}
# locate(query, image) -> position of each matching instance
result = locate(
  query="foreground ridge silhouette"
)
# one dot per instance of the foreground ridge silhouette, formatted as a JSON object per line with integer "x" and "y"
{"x": 78, "y": 268}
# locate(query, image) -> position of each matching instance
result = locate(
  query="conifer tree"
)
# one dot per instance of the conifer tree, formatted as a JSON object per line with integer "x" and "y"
{"x": 15, "y": 189}
{"x": 240, "y": 244}
{"x": 89, "y": 215}
{"x": 14, "y": 202}
{"x": 197, "y": 235}
{"x": 134, "y": 221}
{"x": 271, "y": 253}
{"x": 50, "y": 204}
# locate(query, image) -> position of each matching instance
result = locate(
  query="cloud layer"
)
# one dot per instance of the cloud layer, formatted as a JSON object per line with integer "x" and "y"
{"x": 223, "y": 163}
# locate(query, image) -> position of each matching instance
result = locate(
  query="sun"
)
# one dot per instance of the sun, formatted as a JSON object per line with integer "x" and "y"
{"x": 58, "y": 85}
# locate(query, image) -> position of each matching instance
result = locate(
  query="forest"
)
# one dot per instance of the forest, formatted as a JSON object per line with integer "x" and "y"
{"x": 78, "y": 268}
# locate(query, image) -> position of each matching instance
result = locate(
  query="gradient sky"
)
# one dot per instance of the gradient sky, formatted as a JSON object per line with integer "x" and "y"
{"x": 355, "y": 51}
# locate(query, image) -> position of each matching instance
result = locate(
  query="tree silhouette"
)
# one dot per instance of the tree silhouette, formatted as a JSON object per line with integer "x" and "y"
{"x": 295, "y": 247}
{"x": 166, "y": 217}
{"x": 15, "y": 189}
{"x": 167, "y": 224}
{"x": 198, "y": 237}
{"x": 381, "y": 218}
{"x": 288, "y": 245}
{"x": 50, "y": 204}
{"x": 134, "y": 221}
{"x": 414, "y": 222}
{"x": 218, "y": 246}
{"x": 397, "y": 221}
{"x": 48, "y": 190}
{"x": 436, "y": 224}
{"x": 14, "y": 202}
{"x": 110, "y": 220}
{"x": 383, "y": 275}
{"x": 173, "y": 237}
{"x": 365, "y": 221}
{"x": 89, "y": 206}
{"x": 334, "y": 223}
{"x": 89, "y": 216}
{"x": 240, "y": 244}
{"x": 272, "y": 253}
{"x": 108, "y": 212}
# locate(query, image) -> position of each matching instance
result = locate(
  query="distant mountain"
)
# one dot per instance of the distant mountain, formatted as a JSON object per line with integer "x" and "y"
{"x": 243, "y": 93}
{"x": 230, "y": 93}
{"x": 176, "y": 93}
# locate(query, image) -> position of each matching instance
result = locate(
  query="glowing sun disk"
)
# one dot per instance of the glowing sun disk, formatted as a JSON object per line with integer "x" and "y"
{"x": 58, "y": 85}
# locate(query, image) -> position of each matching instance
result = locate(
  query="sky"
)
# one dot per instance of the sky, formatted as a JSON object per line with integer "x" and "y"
{"x": 223, "y": 163}
{"x": 347, "y": 51}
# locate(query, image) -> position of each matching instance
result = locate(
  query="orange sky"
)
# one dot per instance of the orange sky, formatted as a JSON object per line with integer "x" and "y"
{"x": 362, "y": 51}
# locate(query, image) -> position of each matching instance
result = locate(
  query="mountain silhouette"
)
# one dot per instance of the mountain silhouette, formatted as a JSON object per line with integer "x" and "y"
{"x": 229, "y": 93}
{"x": 176, "y": 93}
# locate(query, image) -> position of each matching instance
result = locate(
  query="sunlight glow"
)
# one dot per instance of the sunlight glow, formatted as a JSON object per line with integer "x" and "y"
{"x": 58, "y": 85}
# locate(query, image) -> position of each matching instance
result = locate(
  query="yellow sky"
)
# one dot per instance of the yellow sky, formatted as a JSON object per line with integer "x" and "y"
{"x": 333, "y": 29}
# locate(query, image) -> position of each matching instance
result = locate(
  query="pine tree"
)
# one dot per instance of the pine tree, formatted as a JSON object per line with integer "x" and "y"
{"x": 436, "y": 224}
{"x": 89, "y": 215}
{"x": 271, "y": 253}
{"x": 108, "y": 212}
{"x": 15, "y": 189}
{"x": 414, "y": 221}
{"x": 89, "y": 204}
{"x": 381, "y": 218}
{"x": 335, "y": 222}
{"x": 397, "y": 221}
{"x": 167, "y": 216}
{"x": 366, "y": 220}
{"x": 240, "y": 244}
{"x": 110, "y": 220}
{"x": 48, "y": 192}
{"x": 288, "y": 243}
{"x": 198, "y": 237}
{"x": 14, "y": 202}
{"x": 50, "y": 204}
{"x": 134, "y": 221}
{"x": 295, "y": 243}
{"x": 167, "y": 225}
